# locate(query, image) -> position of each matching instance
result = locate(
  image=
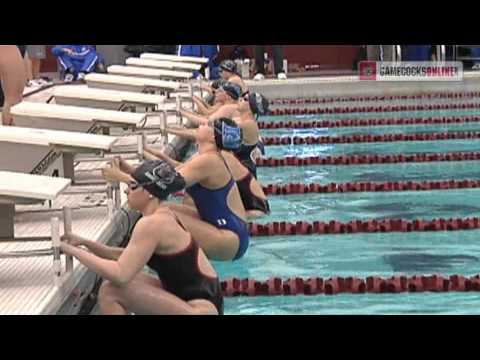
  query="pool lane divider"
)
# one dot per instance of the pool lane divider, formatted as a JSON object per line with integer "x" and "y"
{"x": 372, "y": 109}
{"x": 294, "y": 124}
{"x": 350, "y": 285}
{"x": 364, "y": 187}
{"x": 361, "y": 226}
{"x": 426, "y": 96}
{"x": 369, "y": 138}
{"x": 348, "y": 160}
{"x": 356, "y": 187}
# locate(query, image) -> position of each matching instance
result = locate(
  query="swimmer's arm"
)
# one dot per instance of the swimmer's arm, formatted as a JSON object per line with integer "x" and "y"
{"x": 160, "y": 155}
{"x": 196, "y": 170}
{"x": 131, "y": 261}
{"x": 103, "y": 251}
{"x": 226, "y": 111}
{"x": 113, "y": 174}
{"x": 207, "y": 88}
{"x": 201, "y": 106}
{"x": 195, "y": 118}
{"x": 184, "y": 133}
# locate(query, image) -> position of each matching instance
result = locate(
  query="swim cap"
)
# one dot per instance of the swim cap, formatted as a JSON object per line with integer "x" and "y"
{"x": 233, "y": 90}
{"x": 258, "y": 104}
{"x": 159, "y": 178}
{"x": 229, "y": 65}
{"x": 228, "y": 136}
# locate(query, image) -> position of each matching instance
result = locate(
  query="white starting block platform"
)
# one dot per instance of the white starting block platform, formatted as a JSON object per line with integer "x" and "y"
{"x": 159, "y": 64}
{"x": 36, "y": 279}
{"x": 17, "y": 188}
{"x": 72, "y": 118}
{"x": 187, "y": 59}
{"x": 158, "y": 74}
{"x": 118, "y": 100}
{"x": 48, "y": 152}
{"x": 128, "y": 83}
{"x": 105, "y": 99}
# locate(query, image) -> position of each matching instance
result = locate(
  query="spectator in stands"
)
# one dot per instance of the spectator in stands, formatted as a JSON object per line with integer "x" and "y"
{"x": 77, "y": 61}
{"x": 278, "y": 58}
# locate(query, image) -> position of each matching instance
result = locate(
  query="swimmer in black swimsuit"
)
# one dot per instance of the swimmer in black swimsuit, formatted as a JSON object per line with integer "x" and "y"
{"x": 187, "y": 283}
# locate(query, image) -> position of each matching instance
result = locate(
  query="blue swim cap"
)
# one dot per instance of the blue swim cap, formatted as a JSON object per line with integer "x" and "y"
{"x": 228, "y": 136}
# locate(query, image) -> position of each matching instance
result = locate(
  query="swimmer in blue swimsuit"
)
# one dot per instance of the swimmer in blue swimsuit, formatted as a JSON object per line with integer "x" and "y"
{"x": 218, "y": 220}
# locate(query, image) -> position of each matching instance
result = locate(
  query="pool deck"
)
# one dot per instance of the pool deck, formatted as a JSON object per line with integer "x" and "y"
{"x": 352, "y": 86}
{"x": 27, "y": 285}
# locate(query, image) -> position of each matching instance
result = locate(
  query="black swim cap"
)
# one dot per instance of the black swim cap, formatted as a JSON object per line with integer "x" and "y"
{"x": 233, "y": 90}
{"x": 228, "y": 136}
{"x": 229, "y": 65}
{"x": 258, "y": 104}
{"x": 159, "y": 178}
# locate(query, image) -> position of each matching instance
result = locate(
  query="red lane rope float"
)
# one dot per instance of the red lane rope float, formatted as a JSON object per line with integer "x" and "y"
{"x": 372, "y": 109}
{"x": 264, "y": 125}
{"x": 359, "y": 226}
{"x": 369, "y": 138}
{"x": 350, "y": 285}
{"x": 394, "y": 186}
{"x": 449, "y": 95}
{"x": 344, "y": 160}
{"x": 290, "y": 189}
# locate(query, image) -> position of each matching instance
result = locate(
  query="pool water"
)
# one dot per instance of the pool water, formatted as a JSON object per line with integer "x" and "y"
{"x": 364, "y": 255}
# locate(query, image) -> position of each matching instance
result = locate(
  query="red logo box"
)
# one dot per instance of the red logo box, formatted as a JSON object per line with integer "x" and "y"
{"x": 368, "y": 70}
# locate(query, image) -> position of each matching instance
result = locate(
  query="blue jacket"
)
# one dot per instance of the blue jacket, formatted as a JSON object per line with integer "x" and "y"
{"x": 80, "y": 52}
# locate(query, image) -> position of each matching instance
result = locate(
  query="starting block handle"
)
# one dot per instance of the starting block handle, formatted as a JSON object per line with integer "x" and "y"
{"x": 179, "y": 107}
{"x": 141, "y": 142}
{"x": 68, "y": 229}
{"x": 163, "y": 125}
{"x": 57, "y": 262}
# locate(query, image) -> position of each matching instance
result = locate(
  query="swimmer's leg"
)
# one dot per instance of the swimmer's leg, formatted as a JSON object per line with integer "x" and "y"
{"x": 13, "y": 84}
{"x": 218, "y": 245}
{"x": 255, "y": 214}
{"x": 145, "y": 296}
{"x": 186, "y": 209}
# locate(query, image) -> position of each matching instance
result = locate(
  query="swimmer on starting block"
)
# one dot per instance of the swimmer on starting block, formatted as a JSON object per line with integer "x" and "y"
{"x": 243, "y": 112}
{"x": 229, "y": 73}
{"x": 218, "y": 222}
{"x": 253, "y": 197}
{"x": 187, "y": 284}
{"x": 13, "y": 77}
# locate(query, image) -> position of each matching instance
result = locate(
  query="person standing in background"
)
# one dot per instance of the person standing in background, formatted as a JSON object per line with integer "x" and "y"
{"x": 380, "y": 53}
{"x": 34, "y": 56}
{"x": 13, "y": 77}
{"x": 208, "y": 51}
{"x": 278, "y": 58}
